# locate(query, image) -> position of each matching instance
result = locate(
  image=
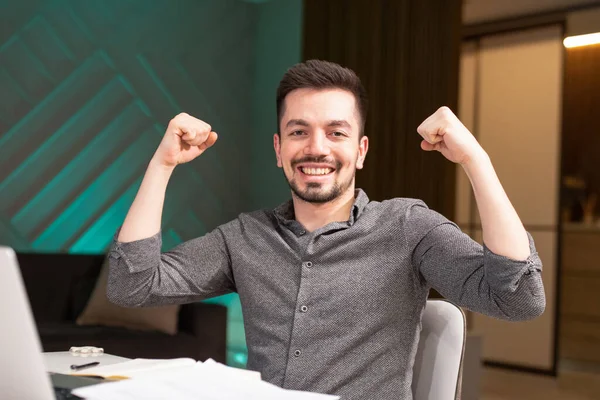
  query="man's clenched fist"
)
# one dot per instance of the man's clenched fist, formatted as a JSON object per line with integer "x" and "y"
{"x": 185, "y": 139}
{"x": 444, "y": 132}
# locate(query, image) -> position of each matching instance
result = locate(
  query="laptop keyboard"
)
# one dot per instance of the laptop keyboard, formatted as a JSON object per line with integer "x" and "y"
{"x": 64, "y": 394}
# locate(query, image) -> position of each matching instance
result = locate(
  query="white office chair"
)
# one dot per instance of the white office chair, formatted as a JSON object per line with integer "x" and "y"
{"x": 437, "y": 372}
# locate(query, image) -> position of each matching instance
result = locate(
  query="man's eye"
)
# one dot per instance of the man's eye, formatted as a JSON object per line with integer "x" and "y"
{"x": 297, "y": 133}
{"x": 338, "y": 134}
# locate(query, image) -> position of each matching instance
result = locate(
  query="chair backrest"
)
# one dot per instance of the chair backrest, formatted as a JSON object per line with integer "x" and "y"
{"x": 437, "y": 371}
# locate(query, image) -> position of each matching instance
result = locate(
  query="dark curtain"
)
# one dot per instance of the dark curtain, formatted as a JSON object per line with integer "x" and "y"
{"x": 406, "y": 53}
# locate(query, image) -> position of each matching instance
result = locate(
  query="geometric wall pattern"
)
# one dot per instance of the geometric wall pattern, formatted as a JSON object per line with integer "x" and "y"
{"x": 86, "y": 92}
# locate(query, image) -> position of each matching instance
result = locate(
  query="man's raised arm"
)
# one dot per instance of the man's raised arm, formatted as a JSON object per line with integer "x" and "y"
{"x": 503, "y": 231}
{"x": 139, "y": 273}
{"x": 505, "y": 279}
{"x": 185, "y": 139}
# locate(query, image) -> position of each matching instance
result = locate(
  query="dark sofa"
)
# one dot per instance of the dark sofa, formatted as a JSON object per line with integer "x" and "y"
{"x": 59, "y": 285}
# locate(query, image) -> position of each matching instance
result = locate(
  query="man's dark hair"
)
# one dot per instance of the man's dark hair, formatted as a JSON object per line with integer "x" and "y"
{"x": 318, "y": 74}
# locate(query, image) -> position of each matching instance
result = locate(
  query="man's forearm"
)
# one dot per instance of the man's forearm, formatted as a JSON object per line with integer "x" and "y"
{"x": 144, "y": 217}
{"x": 503, "y": 231}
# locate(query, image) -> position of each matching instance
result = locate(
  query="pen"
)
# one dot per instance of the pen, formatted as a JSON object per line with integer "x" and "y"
{"x": 82, "y": 366}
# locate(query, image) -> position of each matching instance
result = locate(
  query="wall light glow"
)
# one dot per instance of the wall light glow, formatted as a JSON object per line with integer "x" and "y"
{"x": 582, "y": 40}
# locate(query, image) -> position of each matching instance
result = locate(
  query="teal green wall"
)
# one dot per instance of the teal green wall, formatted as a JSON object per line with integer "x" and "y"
{"x": 278, "y": 46}
{"x": 86, "y": 91}
{"x": 278, "y": 39}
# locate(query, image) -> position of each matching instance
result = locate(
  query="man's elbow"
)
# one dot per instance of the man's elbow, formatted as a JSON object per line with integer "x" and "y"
{"x": 531, "y": 310}
{"x": 121, "y": 287}
{"x": 114, "y": 290}
{"x": 538, "y": 307}
{"x": 531, "y": 303}
{"x": 121, "y": 299}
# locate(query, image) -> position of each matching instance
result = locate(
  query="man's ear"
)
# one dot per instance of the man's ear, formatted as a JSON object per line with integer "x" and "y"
{"x": 277, "y": 147}
{"x": 363, "y": 147}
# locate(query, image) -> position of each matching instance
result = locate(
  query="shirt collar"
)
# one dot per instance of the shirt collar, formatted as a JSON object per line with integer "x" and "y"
{"x": 286, "y": 216}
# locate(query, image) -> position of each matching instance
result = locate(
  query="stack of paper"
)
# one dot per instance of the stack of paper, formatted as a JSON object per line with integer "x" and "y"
{"x": 141, "y": 367}
{"x": 185, "y": 379}
{"x": 136, "y": 367}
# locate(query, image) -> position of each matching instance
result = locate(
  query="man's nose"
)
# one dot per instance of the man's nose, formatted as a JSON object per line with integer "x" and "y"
{"x": 317, "y": 145}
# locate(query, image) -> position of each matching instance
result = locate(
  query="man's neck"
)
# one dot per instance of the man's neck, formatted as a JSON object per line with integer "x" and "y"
{"x": 314, "y": 216}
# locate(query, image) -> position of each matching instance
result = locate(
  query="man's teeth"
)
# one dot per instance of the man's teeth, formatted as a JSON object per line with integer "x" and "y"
{"x": 316, "y": 171}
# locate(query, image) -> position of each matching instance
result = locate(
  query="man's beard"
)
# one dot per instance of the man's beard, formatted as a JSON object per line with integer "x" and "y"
{"x": 312, "y": 193}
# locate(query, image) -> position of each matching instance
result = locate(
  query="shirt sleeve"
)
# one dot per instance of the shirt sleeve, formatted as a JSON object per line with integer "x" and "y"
{"x": 471, "y": 275}
{"x": 141, "y": 275}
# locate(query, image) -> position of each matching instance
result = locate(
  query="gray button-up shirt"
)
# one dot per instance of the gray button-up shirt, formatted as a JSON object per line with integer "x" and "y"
{"x": 336, "y": 310}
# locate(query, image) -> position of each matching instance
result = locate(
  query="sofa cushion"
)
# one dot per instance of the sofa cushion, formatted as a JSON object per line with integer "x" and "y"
{"x": 100, "y": 311}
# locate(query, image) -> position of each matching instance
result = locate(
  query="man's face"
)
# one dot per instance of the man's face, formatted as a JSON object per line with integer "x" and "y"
{"x": 318, "y": 146}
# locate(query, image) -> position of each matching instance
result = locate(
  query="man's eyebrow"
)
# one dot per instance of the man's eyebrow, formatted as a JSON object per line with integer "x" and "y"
{"x": 293, "y": 122}
{"x": 339, "y": 122}
{"x": 332, "y": 123}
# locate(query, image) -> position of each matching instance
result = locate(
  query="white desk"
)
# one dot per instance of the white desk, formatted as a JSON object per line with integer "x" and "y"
{"x": 60, "y": 361}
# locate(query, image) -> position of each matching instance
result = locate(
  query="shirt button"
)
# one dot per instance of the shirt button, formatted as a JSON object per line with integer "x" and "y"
{"x": 297, "y": 353}
{"x": 308, "y": 264}
{"x": 304, "y": 309}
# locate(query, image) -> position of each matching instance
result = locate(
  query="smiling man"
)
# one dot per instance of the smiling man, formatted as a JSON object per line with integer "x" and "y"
{"x": 320, "y": 145}
{"x": 332, "y": 285}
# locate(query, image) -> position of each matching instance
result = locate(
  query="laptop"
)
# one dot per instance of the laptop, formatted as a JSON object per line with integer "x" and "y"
{"x": 22, "y": 370}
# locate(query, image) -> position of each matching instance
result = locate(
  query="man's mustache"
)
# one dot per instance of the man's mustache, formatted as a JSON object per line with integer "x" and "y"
{"x": 336, "y": 164}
